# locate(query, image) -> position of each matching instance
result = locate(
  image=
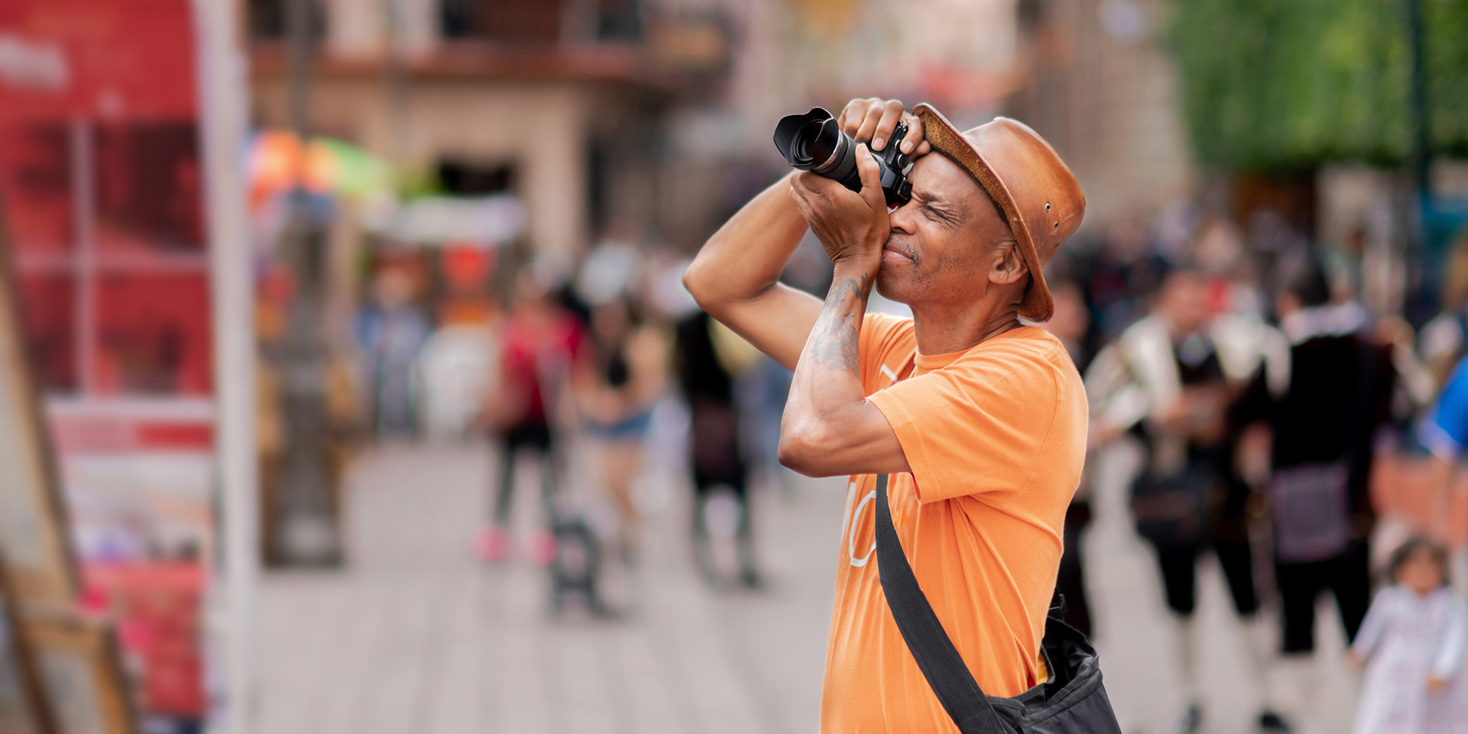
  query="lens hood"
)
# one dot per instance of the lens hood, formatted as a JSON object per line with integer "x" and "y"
{"x": 788, "y": 134}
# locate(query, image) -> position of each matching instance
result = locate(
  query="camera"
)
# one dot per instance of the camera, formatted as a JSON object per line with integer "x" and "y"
{"x": 814, "y": 142}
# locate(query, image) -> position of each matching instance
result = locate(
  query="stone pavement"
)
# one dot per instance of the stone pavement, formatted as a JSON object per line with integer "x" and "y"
{"x": 416, "y": 636}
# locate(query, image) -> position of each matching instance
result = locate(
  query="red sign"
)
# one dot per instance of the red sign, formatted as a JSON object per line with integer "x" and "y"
{"x": 103, "y": 59}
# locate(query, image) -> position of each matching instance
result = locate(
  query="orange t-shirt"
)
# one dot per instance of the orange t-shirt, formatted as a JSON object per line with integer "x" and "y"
{"x": 996, "y": 438}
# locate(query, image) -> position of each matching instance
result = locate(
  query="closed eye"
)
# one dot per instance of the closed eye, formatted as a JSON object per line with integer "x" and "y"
{"x": 940, "y": 215}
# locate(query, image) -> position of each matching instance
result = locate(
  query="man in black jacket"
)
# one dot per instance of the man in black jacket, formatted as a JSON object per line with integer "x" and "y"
{"x": 1339, "y": 393}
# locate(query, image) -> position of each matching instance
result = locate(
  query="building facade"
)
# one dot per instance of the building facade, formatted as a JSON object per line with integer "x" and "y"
{"x": 556, "y": 102}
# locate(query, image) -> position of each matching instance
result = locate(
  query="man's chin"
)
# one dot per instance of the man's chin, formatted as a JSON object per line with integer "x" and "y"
{"x": 890, "y": 286}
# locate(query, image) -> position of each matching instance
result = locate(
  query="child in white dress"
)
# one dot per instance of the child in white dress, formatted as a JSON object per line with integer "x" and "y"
{"x": 1412, "y": 645}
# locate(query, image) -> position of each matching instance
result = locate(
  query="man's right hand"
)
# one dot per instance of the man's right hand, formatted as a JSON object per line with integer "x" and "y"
{"x": 735, "y": 277}
{"x": 872, "y": 120}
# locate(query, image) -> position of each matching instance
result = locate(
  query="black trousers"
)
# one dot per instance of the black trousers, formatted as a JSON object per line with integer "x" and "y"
{"x": 535, "y": 436}
{"x": 1347, "y": 575}
{"x": 1179, "y": 567}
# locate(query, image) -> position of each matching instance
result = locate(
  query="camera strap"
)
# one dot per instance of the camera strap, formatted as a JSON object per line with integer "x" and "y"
{"x": 929, "y": 644}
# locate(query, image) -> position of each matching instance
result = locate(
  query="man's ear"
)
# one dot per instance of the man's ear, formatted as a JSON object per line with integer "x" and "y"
{"x": 1008, "y": 265}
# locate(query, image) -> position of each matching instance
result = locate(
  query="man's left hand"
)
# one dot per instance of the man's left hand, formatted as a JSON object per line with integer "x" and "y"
{"x": 852, "y": 226}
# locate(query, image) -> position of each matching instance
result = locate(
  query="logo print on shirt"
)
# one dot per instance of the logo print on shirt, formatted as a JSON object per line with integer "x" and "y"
{"x": 851, "y": 532}
{"x": 888, "y": 372}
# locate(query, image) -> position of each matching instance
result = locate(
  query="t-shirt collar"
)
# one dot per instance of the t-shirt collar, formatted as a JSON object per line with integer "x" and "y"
{"x": 930, "y": 362}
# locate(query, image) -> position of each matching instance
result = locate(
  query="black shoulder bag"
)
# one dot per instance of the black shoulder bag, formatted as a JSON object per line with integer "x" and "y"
{"x": 1072, "y": 701}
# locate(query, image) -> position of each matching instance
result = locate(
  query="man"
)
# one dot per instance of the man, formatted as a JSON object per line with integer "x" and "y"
{"x": 1070, "y": 324}
{"x": 709, "y": 360}
{"x": 980, "y": 419}
{"x": 390, "y": 333}
{"x": 1166, "y": 383}
{"x": 1339, "y": 392}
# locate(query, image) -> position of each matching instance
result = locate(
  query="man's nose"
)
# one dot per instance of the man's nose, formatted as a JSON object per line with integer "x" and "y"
{"x": 901, "y": 218}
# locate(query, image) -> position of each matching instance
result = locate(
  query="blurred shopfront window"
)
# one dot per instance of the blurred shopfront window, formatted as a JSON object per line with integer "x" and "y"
{"x": 109, "y": 233}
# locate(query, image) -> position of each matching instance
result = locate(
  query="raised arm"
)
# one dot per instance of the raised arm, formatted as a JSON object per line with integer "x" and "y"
{"x": 735, "y": 277}
{"x": 829, "y": 426}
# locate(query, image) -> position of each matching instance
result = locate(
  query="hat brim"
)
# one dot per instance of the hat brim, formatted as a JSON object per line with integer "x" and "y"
{"x": 946, "y": 139}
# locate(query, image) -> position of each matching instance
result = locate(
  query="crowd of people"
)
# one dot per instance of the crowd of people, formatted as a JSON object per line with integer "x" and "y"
{"x": 583, "y": 364}
{"x": 1254, "y": 384}
{"x": 1258, "y": 404}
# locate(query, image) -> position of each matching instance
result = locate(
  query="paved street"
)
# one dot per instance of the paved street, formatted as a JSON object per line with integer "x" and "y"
{"x": 417, "y": 636}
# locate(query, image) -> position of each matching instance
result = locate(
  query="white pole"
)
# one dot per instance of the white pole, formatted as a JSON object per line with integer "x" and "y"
{"x": 222, "y": 109}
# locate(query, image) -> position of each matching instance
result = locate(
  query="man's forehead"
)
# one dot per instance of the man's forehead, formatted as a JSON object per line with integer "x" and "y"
{"x": 936, "y": 177}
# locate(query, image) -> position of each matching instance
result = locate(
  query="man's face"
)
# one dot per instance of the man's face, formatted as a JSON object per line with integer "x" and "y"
{"x": 1185, "y": 302}
{"x": 941, "y": 243}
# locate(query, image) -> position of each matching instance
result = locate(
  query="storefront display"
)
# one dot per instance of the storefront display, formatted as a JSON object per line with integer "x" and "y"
{"x": 101, "y": 166}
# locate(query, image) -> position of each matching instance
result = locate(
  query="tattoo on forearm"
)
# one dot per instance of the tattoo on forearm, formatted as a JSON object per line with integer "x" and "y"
{"x": 835, "y": 342}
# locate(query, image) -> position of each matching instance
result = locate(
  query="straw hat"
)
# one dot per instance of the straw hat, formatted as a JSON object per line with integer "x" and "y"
{"x": 1035, "y": 189}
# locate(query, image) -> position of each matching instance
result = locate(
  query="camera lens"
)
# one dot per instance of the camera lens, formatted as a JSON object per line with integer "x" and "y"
{"x": 814, "y": 142}
{"x": 822, "y": 148}
{"x": 817, "y": 143}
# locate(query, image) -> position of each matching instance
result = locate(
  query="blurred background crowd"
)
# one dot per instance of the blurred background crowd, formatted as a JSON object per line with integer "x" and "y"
{"x": 467, "y": 222}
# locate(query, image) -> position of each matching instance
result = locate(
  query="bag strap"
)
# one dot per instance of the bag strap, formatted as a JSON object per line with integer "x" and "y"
{"x": 929, "y": 644}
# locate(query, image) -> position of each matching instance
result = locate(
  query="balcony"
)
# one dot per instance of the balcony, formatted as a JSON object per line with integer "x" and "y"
{"x": 506, "y": 40}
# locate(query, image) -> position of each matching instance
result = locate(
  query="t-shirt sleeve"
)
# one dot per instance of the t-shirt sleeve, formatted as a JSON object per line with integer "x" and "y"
{"x": 880, "y": 334}
{"x": 974, "y": 428}
{"x": 1446, "y": 429}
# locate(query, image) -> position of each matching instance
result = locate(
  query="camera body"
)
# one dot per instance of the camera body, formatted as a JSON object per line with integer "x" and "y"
{"x": 814, "y": 142}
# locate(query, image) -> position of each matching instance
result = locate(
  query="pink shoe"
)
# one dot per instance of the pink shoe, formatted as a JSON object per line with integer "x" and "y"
{"x": 494, "y": 544}
{"x": 542, "y": 547}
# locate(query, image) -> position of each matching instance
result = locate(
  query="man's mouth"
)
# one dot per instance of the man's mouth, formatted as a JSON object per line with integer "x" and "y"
{"x": 896, "y": 252}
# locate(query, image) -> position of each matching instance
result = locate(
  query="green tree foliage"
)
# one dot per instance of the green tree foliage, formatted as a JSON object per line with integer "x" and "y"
{"x": 1288, "y": 84}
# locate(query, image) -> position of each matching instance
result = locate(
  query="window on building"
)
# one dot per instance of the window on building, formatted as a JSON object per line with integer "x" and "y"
{"x": 267, "y": 19}
{"x": 502, "y": 21}
{"x": 618, "y": 20}
{"x": 149, "y": 196}
{"x": 38, "y": 186}
{"x": 109, "y": 237}
{"x": 50, "y": 316}
{"x": 464, "y": 178}
{"x": 152, "y": 334}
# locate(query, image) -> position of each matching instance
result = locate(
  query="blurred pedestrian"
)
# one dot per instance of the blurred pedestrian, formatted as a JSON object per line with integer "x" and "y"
{"x": 1121, "y": 274}
{"x": 1411, "y": 645}
{"x": 1339, "y": 392}
{"x": 1444, "y": 339}
{"x": 390, "y": 333}
{"x": 709, "y": 357}
{"x": 1070, "y": 324}
{"x": 538, "y": 341}
{"x": 1182, "y": 367}
{"x": 619, "y": 376}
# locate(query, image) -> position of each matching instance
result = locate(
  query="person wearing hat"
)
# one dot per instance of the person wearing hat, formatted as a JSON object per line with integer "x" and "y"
{"x": 979, "y": 418}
